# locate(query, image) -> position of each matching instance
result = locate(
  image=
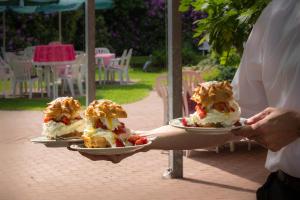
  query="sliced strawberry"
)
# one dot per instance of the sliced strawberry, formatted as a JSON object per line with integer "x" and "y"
{"x": 122, "y": 125}
{"x": 120, "y": 129}
{"x": 66, "y": 121}
{"x": 201, "y": 111}
{"x": 119, "y": 143}
{"x": 139, "y": 142}
{"x": 184, "y": 122}
{"x": 133, "y": 138}
{"x": 144, "y": 140}
{"x": 47, "y": 119}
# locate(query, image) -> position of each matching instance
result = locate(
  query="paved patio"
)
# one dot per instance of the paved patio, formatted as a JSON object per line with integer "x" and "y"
{"x": 35, "y": 172}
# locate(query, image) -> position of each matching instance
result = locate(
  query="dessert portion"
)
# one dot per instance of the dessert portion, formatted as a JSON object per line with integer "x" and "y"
{"x": 62, "y": 119}
{"x": 215, "y": 106}
{"x": 103, "y": 128}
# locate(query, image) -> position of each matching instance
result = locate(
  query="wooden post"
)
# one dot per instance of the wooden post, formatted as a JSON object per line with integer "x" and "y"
{"x": 59, "y": 27}
{"x": 90, "y": 50}
{"x": 174, "y": 81}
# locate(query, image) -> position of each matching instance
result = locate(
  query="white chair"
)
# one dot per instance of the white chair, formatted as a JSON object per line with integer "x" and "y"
{"x": 100, "y": 50}
{"x": 29, "y": 52}
{"x": 5, "y": 74}
{"x": 73, "y": 73}
{"x": 21, "y": 74}
{"x": 121, "y": 66}
{"x": 190, "y": 79}
{"x": 100, "y": 63}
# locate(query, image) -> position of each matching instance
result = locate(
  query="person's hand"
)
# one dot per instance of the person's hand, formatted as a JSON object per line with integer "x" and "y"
{"x": 273, "y": 128}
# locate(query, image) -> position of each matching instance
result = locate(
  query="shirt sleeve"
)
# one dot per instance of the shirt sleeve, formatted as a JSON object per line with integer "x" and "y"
{"x": 247, "y": 84}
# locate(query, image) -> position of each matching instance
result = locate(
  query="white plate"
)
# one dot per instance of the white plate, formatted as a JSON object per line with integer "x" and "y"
{"x": 55, "y": 142}
{"x": 205, "y": 130}
{"x": 108, "y": 151}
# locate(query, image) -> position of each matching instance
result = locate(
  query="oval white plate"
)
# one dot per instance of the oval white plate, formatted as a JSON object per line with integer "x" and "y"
{"x": 205, "y": 130}
{"x": 108, "y": 151}
{"x": 45, "y": 140}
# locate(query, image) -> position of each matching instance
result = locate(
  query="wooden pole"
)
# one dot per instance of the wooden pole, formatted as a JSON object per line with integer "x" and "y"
{"x": 90, "y": 50}
{"x": 174, "y": 81}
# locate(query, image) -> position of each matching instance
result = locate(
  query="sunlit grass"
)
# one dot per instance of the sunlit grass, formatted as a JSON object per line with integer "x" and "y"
{"x": 142, "y": 84}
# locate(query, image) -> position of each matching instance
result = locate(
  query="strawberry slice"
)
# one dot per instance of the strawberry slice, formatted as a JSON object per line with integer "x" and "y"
{"x": 144, "y": 140}
{"x": 122, "y": 125}
{"x": 119, "y": 143}
{"x": 66, "y": 121}
{"x": 120, "y": 129}
{"x": 141, "y": 141}
{"x": 47, "y": 119}
{"x": 201, "y": 111}
{"x": 184, "y": 122}
{"x": 133, "y": 138}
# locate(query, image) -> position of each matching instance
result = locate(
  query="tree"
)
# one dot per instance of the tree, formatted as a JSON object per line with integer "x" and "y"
{"x": 228, "y": 24}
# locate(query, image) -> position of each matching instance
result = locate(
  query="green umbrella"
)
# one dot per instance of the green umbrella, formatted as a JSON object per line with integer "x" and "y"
{"x": 46, "y": 6}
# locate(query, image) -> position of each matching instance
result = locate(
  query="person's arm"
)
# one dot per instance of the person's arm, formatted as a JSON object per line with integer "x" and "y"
{"x": 273, "y": 128}
{"x": 171, "y": 138}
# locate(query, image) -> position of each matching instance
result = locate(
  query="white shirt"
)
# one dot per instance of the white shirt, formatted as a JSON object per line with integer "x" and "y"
{"x": 269, "y": 73}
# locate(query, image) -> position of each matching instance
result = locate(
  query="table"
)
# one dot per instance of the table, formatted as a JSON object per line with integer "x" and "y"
{"x": 52, "y": 56}
{"x": 102, "y": 61}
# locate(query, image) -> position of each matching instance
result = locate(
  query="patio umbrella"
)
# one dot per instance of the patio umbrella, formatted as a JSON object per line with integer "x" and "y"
{"x": 45, "y": 6}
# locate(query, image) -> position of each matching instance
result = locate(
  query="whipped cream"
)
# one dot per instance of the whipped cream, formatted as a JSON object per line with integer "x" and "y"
{"x": 54, "y": 129}
{"x": 214, "y": 116}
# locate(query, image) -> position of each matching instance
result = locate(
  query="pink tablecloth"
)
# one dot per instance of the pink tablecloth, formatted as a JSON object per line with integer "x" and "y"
{"x": 54, "y": 53}
{"x": 105, "y": 56}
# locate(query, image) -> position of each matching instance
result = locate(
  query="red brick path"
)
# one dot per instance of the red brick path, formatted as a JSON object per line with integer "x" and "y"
{"x": 35, "y": 172}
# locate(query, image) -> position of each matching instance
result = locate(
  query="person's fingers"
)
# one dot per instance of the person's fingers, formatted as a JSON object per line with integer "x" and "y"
{"x": 246, "y": 131}
{"x": 256, "y": 118}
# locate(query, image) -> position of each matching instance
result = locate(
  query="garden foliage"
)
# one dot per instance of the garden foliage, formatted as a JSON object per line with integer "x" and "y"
{"x": 228, "y": 23}
{"x": 137, "y": 24}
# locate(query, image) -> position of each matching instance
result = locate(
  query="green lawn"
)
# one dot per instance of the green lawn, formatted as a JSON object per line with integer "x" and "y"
{"x": 122, "y": 94}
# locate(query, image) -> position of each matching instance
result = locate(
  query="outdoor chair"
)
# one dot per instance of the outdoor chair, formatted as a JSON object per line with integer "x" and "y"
{"x": 22, "y": 73}
{"x": 121, "y": 66}
{"x": 5, "y": 74}
{"x": 73, "y": 74}
{"x": 100, "y": 50}
{"x": 29, "y": 52}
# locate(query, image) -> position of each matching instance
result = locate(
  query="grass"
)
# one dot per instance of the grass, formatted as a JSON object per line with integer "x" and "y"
{"x": 122, "y": 94}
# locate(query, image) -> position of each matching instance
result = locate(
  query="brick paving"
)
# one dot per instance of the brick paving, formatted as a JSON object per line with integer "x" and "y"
{"x": 35, "y": 172}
